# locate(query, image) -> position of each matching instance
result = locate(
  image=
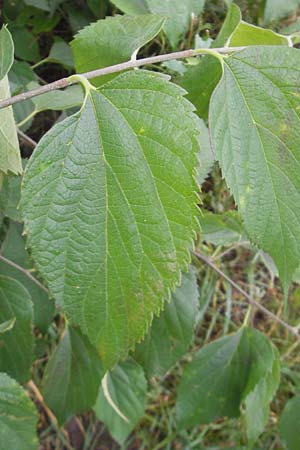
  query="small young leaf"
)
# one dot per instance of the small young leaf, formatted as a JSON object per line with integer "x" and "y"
{"x": 171, "y": 333}
{"x": 239, "y": 369}
{"x": 72, "y": 376}
{"x": 290, "y": 424}
{"x": 16, "y": 349}
{"x": 254, "y": 124}
{"x": 112, "y": 41}
{"x": 13, "y": 248}
{"x": 6, "y": 52}
{"x": 247, "y": 34}
{"x": 113, "y": 260}
{"x": 232, "y": 20}
{"x": 18, "y": 417}
{"x": 127, "y": 388}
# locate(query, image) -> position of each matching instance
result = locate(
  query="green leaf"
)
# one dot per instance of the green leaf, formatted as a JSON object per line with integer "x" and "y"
{"x": 26, "y": 46}
{"x": 16, "y": 349}
{"x": 113, "y": 260}
{"x": 59, "y": 100}
{"x": 132, "y": 6}
{"x": 112, "y": 41}
{"x": 172, "y": 332}
{"x": 7, "y": 325}
{"x": 177, "y": 12}
{"x": 72, "y": 376}
{"x": 222, "y": 229}
{"x": 61, "y": 53}
{"x": 18, "y": 417}
{"x": 206, "y": 156}
{"x": 239, "y": 369}
{"x": 6, "y": 52}
{"x": 290, "y": 423}
{"x": 41, "y": 4}
{"x": 178, "y": 15}
{"x": 10, "y": 158}
{"x": 127, "y": 388}
{"x": 257, "y": 401}
{"x": 10, "y": 197}
{"x": 277, "y": 9}
{"x": 232, "y": 20}
{"x": 13, "y": 248}
{"x": 20, "y": 75}
{"x": 247, "y": 34}
{"x": 254, "y": 121}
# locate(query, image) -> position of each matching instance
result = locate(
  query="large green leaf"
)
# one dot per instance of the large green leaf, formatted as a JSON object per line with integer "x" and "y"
{"x": 290, "y": 423}
{"x": 6, "y": 52}
{"x": 18, "y": 417}
{"x": 13, "y": 248}
{"x": 127, "y": 389}
{"x": 171, "y": 333}
{"x": 16, "y": 349}
{"x": 255, "y": 123}
{"x": 239, "y": 369}
{"x": 112, "y": 41}
{"x": 10, "y": 159}
{"x": 72, "y": 376}
{"x": 109, "y": 258}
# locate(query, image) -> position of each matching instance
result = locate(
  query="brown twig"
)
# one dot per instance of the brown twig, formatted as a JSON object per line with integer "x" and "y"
{"x": 64, "y": 82}
{"x": 27, "y": 139}
{"x": 210, "y": 263}
{"x": 25, "y": 272}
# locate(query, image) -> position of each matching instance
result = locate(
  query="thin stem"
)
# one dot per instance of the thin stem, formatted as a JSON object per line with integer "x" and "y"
{"x": 27, "y": 139}
{"x": 39, "y": 63}
{"x": 27, "y": 118}
{"x": 64, "y": 82}
{"x": 25, "y": 272}
{"x": 53, "y": 420}
{"x": 209, "y": 262}
{"x": 41, "y": 401}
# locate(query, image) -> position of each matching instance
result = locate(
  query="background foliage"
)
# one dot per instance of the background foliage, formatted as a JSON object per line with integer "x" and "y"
{"x": 210, "y": 373}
